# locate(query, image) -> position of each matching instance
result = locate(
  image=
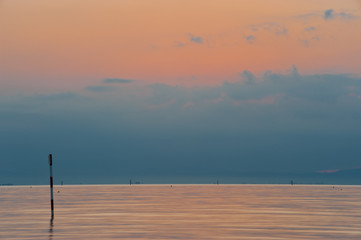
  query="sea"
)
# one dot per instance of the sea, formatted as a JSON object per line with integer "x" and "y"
{"x": 181, "y": 212}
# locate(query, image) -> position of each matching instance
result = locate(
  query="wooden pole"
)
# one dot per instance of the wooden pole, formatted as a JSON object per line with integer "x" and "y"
{"x": 51, "y": 185}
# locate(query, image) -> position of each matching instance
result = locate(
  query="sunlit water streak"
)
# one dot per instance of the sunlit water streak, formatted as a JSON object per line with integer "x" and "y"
{"x": 181, "y": 212}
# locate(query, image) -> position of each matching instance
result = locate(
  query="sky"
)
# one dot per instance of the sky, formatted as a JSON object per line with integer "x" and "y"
{"x": 179, "y": 91}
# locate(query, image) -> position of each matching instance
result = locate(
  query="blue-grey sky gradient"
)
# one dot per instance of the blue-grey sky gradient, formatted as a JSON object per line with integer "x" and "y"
{"x": 272, "y": 123}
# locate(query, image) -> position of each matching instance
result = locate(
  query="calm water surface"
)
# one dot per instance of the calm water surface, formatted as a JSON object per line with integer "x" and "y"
{"x": 181, "y": 212}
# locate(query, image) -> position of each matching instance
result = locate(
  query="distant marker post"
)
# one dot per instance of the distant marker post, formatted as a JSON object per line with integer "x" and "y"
{"x": 51, "y": 185}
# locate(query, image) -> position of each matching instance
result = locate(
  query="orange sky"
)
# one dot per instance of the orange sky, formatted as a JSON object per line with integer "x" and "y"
{"x": 68, "y": 44}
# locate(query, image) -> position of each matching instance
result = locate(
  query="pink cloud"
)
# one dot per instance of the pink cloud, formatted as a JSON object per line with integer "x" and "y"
{"x": 162, "y": 105}
{"x": 266, "y": 100}
{"x": 329, "y": 171}
{"x": 352, "y": 92}
{"x": 263, "y": 101}
{"x": 188, "y": 104}
{"x": 238, "y": 102}
{"x": 337, "y": 170}
{"x": 217, "y": 100}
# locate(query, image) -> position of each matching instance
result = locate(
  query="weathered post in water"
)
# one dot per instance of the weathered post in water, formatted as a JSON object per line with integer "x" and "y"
{"x": 51, "y": 185}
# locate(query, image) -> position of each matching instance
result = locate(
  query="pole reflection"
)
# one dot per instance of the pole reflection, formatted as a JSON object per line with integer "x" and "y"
{"x": 51, "y": 228}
